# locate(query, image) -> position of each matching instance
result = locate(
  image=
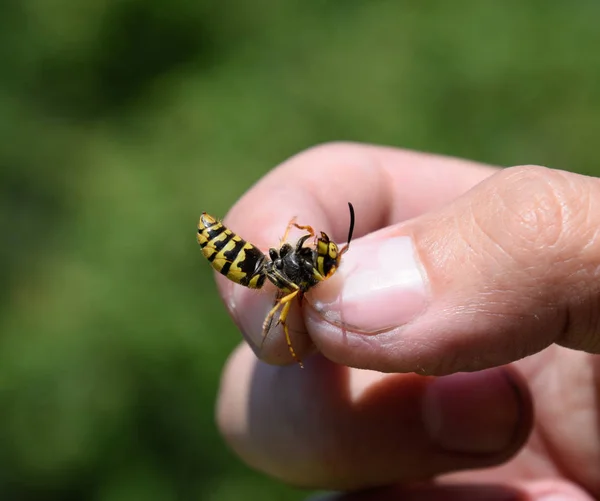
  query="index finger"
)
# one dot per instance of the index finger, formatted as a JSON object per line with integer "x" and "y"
{"x": 385, "y": 185}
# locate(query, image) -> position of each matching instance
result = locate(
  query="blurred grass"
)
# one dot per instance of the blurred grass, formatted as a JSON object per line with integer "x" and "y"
{"x": 120, "y": 121}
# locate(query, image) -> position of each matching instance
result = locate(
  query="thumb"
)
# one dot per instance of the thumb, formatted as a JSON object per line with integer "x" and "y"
{"x": 504, "y": 271}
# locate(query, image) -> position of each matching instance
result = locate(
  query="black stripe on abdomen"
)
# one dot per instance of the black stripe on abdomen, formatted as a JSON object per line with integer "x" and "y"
{"x": 231, "y": 256}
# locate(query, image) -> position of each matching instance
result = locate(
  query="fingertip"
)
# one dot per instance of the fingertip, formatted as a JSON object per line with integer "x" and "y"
{"x": 380, "y": 285}
{"x": 357, "y": 316}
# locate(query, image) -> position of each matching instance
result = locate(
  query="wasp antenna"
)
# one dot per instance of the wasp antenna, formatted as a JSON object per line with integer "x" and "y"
{"x": 351, "y": 229}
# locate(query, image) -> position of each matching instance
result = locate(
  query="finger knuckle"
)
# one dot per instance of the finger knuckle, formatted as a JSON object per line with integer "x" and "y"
{"x": 534, "y": 210}
{"x": 547, "y": 222}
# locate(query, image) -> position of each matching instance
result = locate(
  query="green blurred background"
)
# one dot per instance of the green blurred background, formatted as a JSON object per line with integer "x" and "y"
{"x": 122, "y": 120}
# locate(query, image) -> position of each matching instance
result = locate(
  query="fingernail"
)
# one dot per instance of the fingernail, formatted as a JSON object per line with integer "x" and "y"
{"x": 476, "y": 413}
{"x": 379, "y": 285}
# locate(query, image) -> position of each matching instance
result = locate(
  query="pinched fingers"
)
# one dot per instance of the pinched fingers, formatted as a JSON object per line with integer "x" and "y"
{"x": 385, "y": 186}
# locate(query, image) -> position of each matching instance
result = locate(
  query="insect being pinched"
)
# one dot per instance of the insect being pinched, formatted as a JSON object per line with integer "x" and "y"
{"x": 293, "y": 269}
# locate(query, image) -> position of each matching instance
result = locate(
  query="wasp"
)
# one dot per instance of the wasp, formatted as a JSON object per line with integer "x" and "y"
{"x": 293, "y": 269}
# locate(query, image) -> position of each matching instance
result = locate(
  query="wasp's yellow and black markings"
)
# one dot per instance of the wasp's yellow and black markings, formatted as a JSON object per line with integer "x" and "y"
{"x": 293, "y": 269}
{"x": 230, "y": 255}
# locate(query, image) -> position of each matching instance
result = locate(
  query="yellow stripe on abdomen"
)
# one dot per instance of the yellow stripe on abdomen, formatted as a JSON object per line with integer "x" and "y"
{"x": 229, "y": 254}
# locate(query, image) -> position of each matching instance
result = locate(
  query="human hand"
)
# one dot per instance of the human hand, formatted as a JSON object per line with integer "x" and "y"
{"x": 463, "y": 270}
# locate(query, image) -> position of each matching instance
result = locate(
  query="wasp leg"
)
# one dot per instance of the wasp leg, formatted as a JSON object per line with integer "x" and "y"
{"x": 285, "y": 304}
{"x": 287, "y": 300}
{"x": 293, "y": 223}
{"x": 310, "y": 229}
{"x": 287, "y": 230}
{"x": 269, "y": 318}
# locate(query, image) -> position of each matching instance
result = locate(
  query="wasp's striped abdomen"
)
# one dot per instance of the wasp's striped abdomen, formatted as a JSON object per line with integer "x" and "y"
{"x": 229, "y": 254}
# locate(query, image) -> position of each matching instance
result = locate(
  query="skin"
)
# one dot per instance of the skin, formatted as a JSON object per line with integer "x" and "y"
{"x": 489, "y": 389}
